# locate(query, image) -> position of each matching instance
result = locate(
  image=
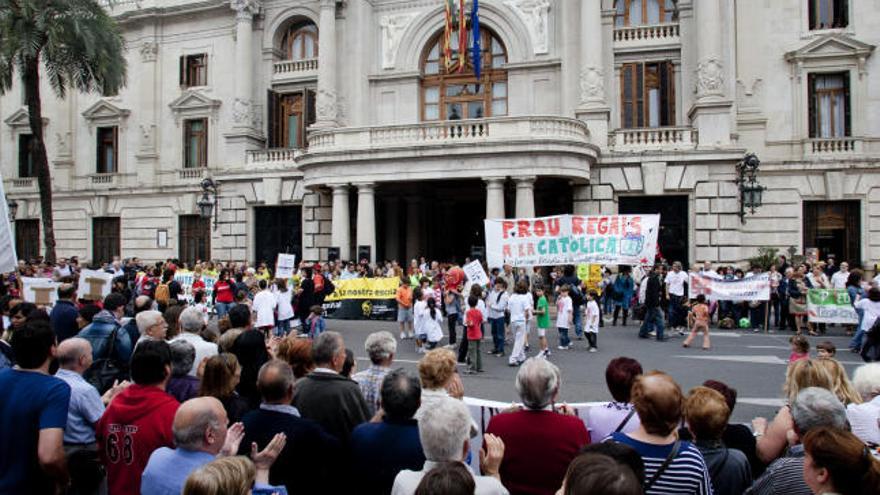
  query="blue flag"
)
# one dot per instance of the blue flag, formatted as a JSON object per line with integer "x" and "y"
{"x": 475, "y": 47}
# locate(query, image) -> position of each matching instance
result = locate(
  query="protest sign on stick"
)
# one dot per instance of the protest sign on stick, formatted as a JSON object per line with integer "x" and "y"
{"x": 285, "y": 267}
{"x": 94, "y": 285}
{"x": 475, "y": 273}
{"x": 40, "y": 291}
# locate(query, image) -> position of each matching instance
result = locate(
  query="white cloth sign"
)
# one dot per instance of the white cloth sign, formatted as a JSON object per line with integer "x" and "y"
{"x": 475, "y": 273}
{"x": 185, "y": 279}
{"x": 572, "y": 239}
{"x": 285, "y": 267}
{"x": 8, "y": 258}
{"x": 755, "y": 288}
{"x": 40, "y": 291}
{"x": 94, "y": 285}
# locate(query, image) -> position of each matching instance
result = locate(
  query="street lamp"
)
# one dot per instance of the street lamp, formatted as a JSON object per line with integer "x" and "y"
{"x": 750, "y": 192}
{"x": 12, "y": 208}
{"x": 208, "y": 202}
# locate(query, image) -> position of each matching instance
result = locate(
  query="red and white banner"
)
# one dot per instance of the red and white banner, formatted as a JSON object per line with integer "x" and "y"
{"x": 756, "y": 288}
{"x": 572, "y": 239}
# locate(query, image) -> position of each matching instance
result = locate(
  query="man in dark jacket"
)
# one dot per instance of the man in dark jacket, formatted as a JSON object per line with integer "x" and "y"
{"x": 310, "y": 457}
{"x": 332, "y": 400}
{"x": 250, "y": 349}
{"x": 63, "y": 316}
{"x": 104, "y": 325}
{"x": 653, "y": 313}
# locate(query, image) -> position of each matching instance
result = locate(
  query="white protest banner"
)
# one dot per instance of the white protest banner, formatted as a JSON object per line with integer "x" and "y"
{"x": 285, "y": 267}
{"x": 94, "y": 285}
{"x": 185, "y": 279}
{"x": 8, "y": 258}
{"x": 40, "y": 291}
{"x": 475, "y": 273}
{"x": 572, "y": 239}
{"x": 756, "y": 288}
{"x": 830, "y": 306}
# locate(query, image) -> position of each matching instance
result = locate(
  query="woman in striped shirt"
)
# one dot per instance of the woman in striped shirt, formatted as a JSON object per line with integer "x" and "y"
{"x": 671, "y": 465}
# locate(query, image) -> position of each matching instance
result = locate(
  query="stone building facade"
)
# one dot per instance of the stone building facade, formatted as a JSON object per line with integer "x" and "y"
{"x": 340, "y": 124}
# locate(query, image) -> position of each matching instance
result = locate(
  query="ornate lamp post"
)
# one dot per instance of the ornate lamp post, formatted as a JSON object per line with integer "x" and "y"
{"x": 209, "y": 201}
{"x": 750, "y": 191}
{"x": 12, "y": 208}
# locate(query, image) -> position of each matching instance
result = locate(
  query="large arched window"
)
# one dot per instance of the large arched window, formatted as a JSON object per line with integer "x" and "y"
{"x": 300, "y": 42}
{"x": 448, "y": 94}
{"x": 644, "y": 12}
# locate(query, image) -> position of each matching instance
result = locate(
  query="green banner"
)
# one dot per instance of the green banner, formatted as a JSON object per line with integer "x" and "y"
{"x": 830, "y": 306}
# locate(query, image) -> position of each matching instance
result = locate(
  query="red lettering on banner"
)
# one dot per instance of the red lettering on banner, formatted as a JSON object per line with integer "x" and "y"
{"x": 539, "y": 228}
{"x": 522, "y": 228}
{"x": 507, "y": 227}
{"x": 603, "y": 225}
{"x": 591, "y": 225}
{"x": 577, "y": 225}
{"x": 553, "y": 226}
{"x": 531, "y": 249}
{"x": 505, "y": 251}
{"x": 636, "y": 224}
{"x": 614, "y": 228}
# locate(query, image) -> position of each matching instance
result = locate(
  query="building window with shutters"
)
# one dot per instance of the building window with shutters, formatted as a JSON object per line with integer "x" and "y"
{"x": 829, "y": 100}
{"x": 647, "y": 91}
{"x": 105, "y": 239}
{"x": 195, "y": 238}
{"x": 27, "y": 239}
{"x": 108, "y": 150}
{"x": 300, "y": 42}
{"x": 194, "y": 70}
{"x": 195, "y": 143}
{"x": 290, "y": 115}
{"x": 644, "y": 12}
{"x": 828, "y": 14}
{"x": 26, "y": 156}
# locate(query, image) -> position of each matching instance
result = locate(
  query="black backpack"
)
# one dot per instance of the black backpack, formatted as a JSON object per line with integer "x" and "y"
{"x": 577, "y": 297}
{"x": 106, "y": 369}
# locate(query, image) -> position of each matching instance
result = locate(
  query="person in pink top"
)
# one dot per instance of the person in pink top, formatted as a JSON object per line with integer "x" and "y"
{"x": 800, "y": 348}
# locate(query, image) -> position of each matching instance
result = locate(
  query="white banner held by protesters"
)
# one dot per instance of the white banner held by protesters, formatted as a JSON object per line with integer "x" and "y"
{"x": 756, "y": 288}
{"x": 830, "y": 306}
{"x": 475, "y": 273}
{"x": 285, "y": 267}
{"x": 8, "y": 258}
{"x": 40, "y": 291}
{"x": 572, "y": 239}
{"x": 94, "y": 285}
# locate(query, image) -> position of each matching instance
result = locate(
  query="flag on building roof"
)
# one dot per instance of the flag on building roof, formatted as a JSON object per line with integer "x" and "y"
{"x": 462, "y": 36}
{"x": 476, "y": 49}
{"x": 447, "y": 34}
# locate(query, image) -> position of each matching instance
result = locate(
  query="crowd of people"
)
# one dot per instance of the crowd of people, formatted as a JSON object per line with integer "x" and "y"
{"x": 150, "y": 391}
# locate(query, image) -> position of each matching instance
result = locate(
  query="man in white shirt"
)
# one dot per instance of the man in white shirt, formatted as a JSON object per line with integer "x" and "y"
{"x": 708, "y": 271}
{"x": 520, "y": 306}
{"x": 675, "y": 282}
{"x": 444, "y": 432}
{"x": 264, "y": 306}
{"x": 838, "y": 280}
{"x": 191, "y": 324}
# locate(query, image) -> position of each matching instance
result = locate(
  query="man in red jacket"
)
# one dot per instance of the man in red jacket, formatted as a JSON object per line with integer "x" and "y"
{"x": 138, "y": 420}
{"x": 539, "y": 442}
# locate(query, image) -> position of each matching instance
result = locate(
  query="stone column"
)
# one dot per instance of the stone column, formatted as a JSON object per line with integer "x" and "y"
{"x": 581, "y": 199}
{"x": 495, "y": 197}
{"x": 710, "y": 113}
{"x": 340, "y": 233}
{"x": 413, "y": 228}
{"x": 525, "y": 197}
{"x": 593, "y": 108}
{"x": 366, "y": 217}
{"x": 242, "y": 105}
{"x": 326, "y": 107}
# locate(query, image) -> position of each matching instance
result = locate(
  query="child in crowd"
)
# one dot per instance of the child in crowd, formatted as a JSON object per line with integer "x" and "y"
{"x": 199, "y": 304}
{"x": 474, "y": 324}
{"x": 433, "y": 324}
{"x": 404, "y": 298}
{"x": 593, "y": 315}
{"x": 564, "y": 311}
{"x": 542, "y": 311}
{"x": 315, "y": 322}
{"x": 826, "y": 350}
{"x": 419, "y": 318}
{"x": 699, "y": 321}
{"x": 800, "y": 348}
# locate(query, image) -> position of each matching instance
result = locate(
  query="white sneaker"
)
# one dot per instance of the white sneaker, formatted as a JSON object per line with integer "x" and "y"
{"x": 593, "y": 349}
{"x": 402, "y": 335}
{"x": 564, "y": 347}
{"x": 652, "y": 334}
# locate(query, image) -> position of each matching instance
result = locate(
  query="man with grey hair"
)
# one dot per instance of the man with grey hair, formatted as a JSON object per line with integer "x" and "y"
{"x": 151, "y": 325}
{"x": 332, "y": 400}
{"x": 191, "y": 324}
{"x": 200, "y": 435}
{"x": 381, "y": 347}
{"x": 130, "y": 325}
{"x": 182, "y": 386}
{"x": 814, "y": 407}
{"x": 444, "y": 431}
{"x": 539, "y": 441}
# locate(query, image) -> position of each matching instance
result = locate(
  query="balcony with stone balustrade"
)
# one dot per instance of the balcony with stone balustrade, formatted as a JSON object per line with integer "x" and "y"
{"x": 294, "y": 70}
{"x": 832, "y": 148}
{"x": 647, "y": 38}
{"x": 653, "y": 139}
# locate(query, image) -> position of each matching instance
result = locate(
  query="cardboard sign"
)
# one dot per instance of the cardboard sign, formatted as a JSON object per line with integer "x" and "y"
{"x": 755, "y": 288}
{"x": 285, "y": 267}
{"x": 94, "y": 285}
{"x": 40, "y": 291}
{"x": 572, "y": 239}
{"x": 475, "y": 273}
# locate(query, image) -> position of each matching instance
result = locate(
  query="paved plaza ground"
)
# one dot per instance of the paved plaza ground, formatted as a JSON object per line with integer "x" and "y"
{"x": 754, "y": 364}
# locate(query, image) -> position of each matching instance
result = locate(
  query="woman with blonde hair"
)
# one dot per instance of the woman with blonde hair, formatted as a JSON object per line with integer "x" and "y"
{"x": 439, "y": 377}
{"x": 840, "y": 384}
{"x": 772, "y": 438}
{"x": 238, "y": 475}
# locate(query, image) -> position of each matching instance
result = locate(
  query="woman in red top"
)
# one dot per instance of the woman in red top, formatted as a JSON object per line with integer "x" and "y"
{"x": 223, "y": 294}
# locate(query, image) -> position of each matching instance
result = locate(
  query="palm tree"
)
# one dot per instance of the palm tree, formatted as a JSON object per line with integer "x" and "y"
{"x": 78, "y": 46}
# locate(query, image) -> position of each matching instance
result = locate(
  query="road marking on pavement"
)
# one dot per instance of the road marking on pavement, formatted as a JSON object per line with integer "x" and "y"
{"x": 753, "y": 359}
{"x": 758, "y": 401}
{"x": 785, "y": 347}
